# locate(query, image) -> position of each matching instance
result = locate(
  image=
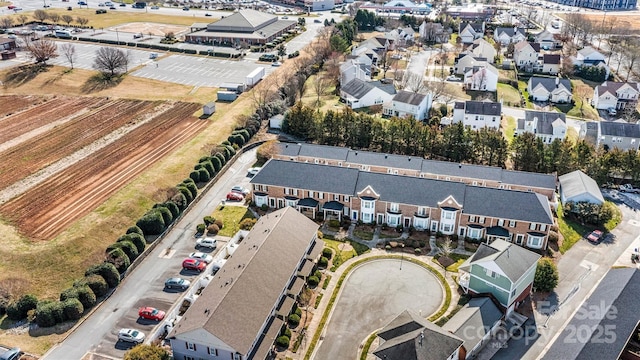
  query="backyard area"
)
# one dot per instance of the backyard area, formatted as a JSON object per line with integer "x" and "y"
{"x": 231, "y": 216}
{"x": 581, "y": 108}
{"x": 508, "y": 125}
{"x": 508, "y": 95}
{"x": 326, "y": 87}
{"x": 573, "y": 231}
{"x": 522, "y": 86}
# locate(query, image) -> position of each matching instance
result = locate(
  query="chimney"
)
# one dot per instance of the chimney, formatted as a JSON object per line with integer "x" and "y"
{"x": 557, "y": 81}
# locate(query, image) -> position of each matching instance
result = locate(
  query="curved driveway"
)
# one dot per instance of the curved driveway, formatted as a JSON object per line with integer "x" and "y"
{"x": 375, "y": 293}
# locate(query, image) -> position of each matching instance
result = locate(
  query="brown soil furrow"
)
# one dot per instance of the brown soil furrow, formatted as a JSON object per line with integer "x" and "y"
{"x": 44, "y": 149}
{"x": 15, "y": 131}
{"x": 12, "y": 104}
{"x": 48, "y": 208}
{"x": 41, "y": 112}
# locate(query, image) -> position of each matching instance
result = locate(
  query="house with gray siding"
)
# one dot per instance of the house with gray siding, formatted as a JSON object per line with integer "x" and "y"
{"x": 241, "y": 311}
{"x": 611, "y": 134}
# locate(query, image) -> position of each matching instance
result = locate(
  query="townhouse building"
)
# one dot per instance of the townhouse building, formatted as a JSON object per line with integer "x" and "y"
{"x": 478, "y": 114}
{"x": 448, "y": 207}
{"x": 476, "y": 175}
{"x": 611, "y": 134}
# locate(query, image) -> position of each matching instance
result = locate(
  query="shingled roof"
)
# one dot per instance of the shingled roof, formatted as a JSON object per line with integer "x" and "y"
{"x": 408, "y": 97}
{"x": 359, "y": 88}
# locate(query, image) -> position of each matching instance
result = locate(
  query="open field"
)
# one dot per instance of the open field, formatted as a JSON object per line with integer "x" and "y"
{"x": 15, "y": 103}
{"x": 113, "y": 17}
{"x": 47, "y": 209}
{"x": 630, "y": 21}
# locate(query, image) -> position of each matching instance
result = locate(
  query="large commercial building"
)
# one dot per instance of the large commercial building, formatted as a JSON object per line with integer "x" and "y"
{"x": 607, "y": 5}
{"x": 245, "y": 26}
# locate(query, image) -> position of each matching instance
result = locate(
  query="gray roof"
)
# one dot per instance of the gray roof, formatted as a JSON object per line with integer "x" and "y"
{"x": 409, "y": 337}
{"x": 288, "y": 149}
{"x": 550, "y": 83}
{"x": 591, "y": 132}
{"x": 499, "y": 203}
{"x": 335, "y": 179}
{"x": 448, "y": 168}
{"x": 523, "y": 178}
{"x": 621, "y": 129}
{"x": 509, "y": 31}
{"x": 243, "y": 20}
{"x": 483, "y": 108}
{"x": 382, "y": 159}
{"x": 505, "y": 204}
{"x": 473, "y": 321}
{"x": 409, "y": 97}
{"x": 359, "y": 88}
{"x": 512, "y": 259}
{"x": 324, "y": 152}
{"x": 618, "y": 291}
{"x": 242, "y": 295}
{"x": 551, "y": 59}
{"x": 545, "y": 120}
{"x": 577, "y": 183}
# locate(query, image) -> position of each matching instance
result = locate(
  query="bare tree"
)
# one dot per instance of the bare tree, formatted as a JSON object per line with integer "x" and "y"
{"x": 42, "y": 50}
{"x": 54, "y": 17}
{"x": 40, "y": 15}
{"x": 321, "y": 85}
{"x": 446, "y": 248}
{"x": 69, "y": 52}
{"x": 6, "y": 22}
{"x": 632, "y": 53}
{"x": 413, "y": 82}
{"x": 82, "y": 21}
{"x": 68, "y": 19}
{"x": 23, "y": 19}
{"x": 111, "y": 61}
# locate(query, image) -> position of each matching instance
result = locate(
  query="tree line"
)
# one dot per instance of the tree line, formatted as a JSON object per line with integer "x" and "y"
{"x": 457, "y": 143}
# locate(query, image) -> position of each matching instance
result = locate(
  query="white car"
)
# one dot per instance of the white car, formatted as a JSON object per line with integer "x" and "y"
{"x": 201, "y": 256}
{"x": 276, "y": 63}
{"x": 254, "y": 170}
{"x": 131, "y": 335}
{"x": 240, "y": 190}
{"x": 108, "y": 3}
{"x": 207, "y": 242}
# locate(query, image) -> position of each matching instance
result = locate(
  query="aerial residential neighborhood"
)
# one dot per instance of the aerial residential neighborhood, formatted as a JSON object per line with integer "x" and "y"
{"x": 319, "y": 180}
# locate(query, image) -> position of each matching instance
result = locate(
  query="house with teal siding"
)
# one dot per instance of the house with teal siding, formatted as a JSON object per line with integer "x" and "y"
{"x": 502, "y": 269}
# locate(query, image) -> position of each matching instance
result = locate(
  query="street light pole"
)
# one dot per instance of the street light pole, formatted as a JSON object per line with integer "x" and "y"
{"x": 117, "y": 36}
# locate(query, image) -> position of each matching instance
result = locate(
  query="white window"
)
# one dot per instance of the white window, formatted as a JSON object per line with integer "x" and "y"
{"x": 320, "y": 195}
{"x": 422, "y": 211}
{"x": 336, "y": 197}
{"x": 472, "y": 218}
{"x": 346, "y": 198}
{"x": 394, "y": 207}
{"x": 512, "y": 223}
{"x": 287, "y": 191}
{"x": 475, "y": 183}
{"x": 291, "y": 203}
{"x": 543, "y": 227}
{"x": 491, "y": 273}
{"x": 191, "y": 346}
{"x": 447, "y": 228}
{"x": 294, "y": 192}
{"x": 212, "y": 351}
{"x": 316, "y": 161}
{"x": 501, "y": 222}
{"x": 532, "y": 226}
{"x": 474, "y": 233}
{"x": 534, "y": 242}
{"x": 311, "y": 194}
{"x": 481, "y": 221}
{"x": 447, "y": 215}
{"x": 389, "y": 171}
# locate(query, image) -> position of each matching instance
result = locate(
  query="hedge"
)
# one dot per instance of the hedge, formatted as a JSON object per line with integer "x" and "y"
{"x": 118, "y": 258}
{"x": 134, "y": 230}
{"x": 167, "y": 217}
{"x": 152, "y": 223}
{"x": 173, "y": 208}
{"x": 97, "y": 284}
{"x": 221, "y": 158}
{"x": 180, "y": 200}
{"x": 108, "y": 272}
{"x": 72, "y": 309}
{"x": 327, "y": 253}
{"x": 204, "y": 175}
{"x": 293, "y": 320}
{"x": 283, "y": 341}
{"x": 127, "y": 246}
{"x": 186, "y": 192}
{"x": 86, "y": 297}
{"x": 313, "y": 281}
{"x": 19, "y": 309}
{"x": 70, "y": 293}
{"x": 217, "y": 164}
{"x": 138, "y": 240}
{"x": 323, "y": 262}
{"x": 194, "y": 176}
{"x": 49, "y": 314}
{"x": 209, "y": 166}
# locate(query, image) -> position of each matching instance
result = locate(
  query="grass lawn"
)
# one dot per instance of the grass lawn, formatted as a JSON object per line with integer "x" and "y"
{"x": 508, "y": 127}
{"x": 582, "y": 90}
{"x": 231, "y": 217}
{"x": 454, "y": 267}
{"x": 340, "y": 254}
{"x": 522, "y": 86}
{"x": 456, "y": 91}
{"x": 507, "y": 74}
{"x": 328, "y": 101}
{"x": 454, "y": 38}
{"x": 113, "y": 17}
{"x": 364, "y": 235}
{"x": 571, "y": 231}
{"x": 481, "y": 95}
{"x": 509, "y": 95}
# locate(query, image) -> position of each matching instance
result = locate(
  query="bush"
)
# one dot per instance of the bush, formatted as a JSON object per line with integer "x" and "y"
{"x": 221, "y": 157}
{"x": 188, "y": 181}
{"x": 193, "y": 189}
{"x": 247, "y": 224}
{"x": 147, "y": 352}
{"x": 19, "y": 309}
{"x": 208, "y": 220}
{"x": 86, "y": 297}
{"x": 200, "y": 228}
{"x": 264, "y": 207}
{"x": 217, "y": 164}
{"x": 108, "y": 272}
{"x": 298, "y": 311}
{"x": 180, "y": 200}
{"x": 285, "y": 331}
{"x": 553, "y": 237}
{"x": 167, "y": 217}
{"x": 97, "y": 284}
{"x": 72, "y": 309}
{"x": 323, "y": 262}
{"x": 188, "y": 196}
{"x": 49, "y": 314}
{"x": 137, "y": 240}
{"x": 194, "y": 175}
{"x": 417, "y": 251}
{"x": 293, "y": 320}
{"x": 327, "y": 253}
{"x": 334, "y": 223}
{"x": 118, "y": 258}
{"x": 283, "y": 341}
{"x": 134, "y": 230}
{"x": 546, "y": 277}
{"x": 218, "y": 222}
{"x": 203, "y": 175}
{"x": 209, "y": 166}
{"x": 70, "y": 293}
{"x": 213, "y": 229}
{"x": 313, "y": 281}
{"x": 152, "y": 223}
{"x": 128, "y": 247}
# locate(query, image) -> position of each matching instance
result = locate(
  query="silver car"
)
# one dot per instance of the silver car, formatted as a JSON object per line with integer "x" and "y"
{"x": 131, "y": 335}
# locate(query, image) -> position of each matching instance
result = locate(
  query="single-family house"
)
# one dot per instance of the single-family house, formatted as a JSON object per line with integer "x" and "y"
{"x": 478, "y": 114}
{"x": 554, "y": 90}
{"x": 358, "y": 67}
{"x": 258, "y": 285}
{"x": 407, "y": 103}
{"x": 547, "y": 40}
{"x": 546, "y": 125}
{"x": 577, "y": 187}
{"x": 447, "y": 206}
{"x": 471, "y": 174}
{"x": 410, "y": 337}
{"x": 470, "y": 31}
{"x": 481, "y": 48}
{"x": 613, "y": 307}
{"x": 401, "y": 36}
{"x": 507, "y": 35}
{"x": 481, "y": 78}
{"x": 502, "y": 269}
{"x": 466, "y": 60}
{"x": 359, "y": 93}
{"x": 476, "y": 323}
{"x": 621, "y": 96}
{"x": 611, "y": 134}
{"x": 525, "y": 55}
{"x": 550, "y": 64}
{"x": 433, "y": 32}
{"x": 589, "y": 56}
{"x": 373, "y": 48}
{"x": 7, "y": 43}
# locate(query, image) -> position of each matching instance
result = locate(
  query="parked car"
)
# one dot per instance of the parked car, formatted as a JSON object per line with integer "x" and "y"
{"x": 101, "y": 4}
{"x": 131, "y": 335}
{"x": 215, "y": 268}
{"x": 194, "y": 264}
{"x": 210, "y": 243}
{"x": 112, "y": 7}
{"x": 254, "y": 170}
{"x": 177, "y": 283}
{"x": 82, "y": 3}
{"x": 153, "y": 56}
{"x": 185, "y": 9}
{"x": 595, "y": 236}
{"x": 11, "y": 354}
{"x": 155, "y": 7}
{"x": 629, "y": 188}
{"x": 201, "y": 256}
{"x": 317, "y": 21}
{"x": 612, "y": 111}
{"x": 240, "y": 190}
{"x": 276, "y": 63}
{"x": 11, "y": 7}
{"x": 232, "y": 196}
{"x": 123, "y": 4}
{"x": 151, "y": 313}
{"x": 207, "y": 14}
{"x": 69, "y": 8}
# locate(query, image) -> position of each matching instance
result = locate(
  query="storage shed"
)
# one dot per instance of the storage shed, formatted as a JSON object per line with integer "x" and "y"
{"x": 209, "y": 108}
{"x": 579, "y": 187}
{"x": 275, "y": 122}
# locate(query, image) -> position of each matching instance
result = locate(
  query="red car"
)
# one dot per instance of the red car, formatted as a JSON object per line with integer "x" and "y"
{"x": 193, "y": 264}
{"x": 595, "y": 236}
{"x": 234, "y": 196}
{"x": 151, "y": 313}
{"x": 11, "y": 7}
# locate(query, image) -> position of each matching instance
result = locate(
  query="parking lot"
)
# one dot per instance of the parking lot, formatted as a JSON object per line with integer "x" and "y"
{"x": 86, "y": 53}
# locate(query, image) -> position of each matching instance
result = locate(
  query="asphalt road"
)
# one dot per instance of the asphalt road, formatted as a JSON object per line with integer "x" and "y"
{"x": 374, "y": 294}
{"x": 144, "y": 286}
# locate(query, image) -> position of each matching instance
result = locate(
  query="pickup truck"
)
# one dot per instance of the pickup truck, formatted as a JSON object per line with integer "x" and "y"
{"x": 629, "y": 189}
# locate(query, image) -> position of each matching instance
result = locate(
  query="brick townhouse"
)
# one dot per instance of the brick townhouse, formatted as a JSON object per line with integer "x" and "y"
{"x": 449, "y": 207}
{"x": 479, "y": 175}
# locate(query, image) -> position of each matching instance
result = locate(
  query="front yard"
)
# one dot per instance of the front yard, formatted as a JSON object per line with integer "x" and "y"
{"x": 581, "y": 107}
{"x": 231, "y": 216}
{"x": 572, "y": 231}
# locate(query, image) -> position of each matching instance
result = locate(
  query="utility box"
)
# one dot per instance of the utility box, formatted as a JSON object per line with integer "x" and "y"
{"x": 209, "y": 108}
